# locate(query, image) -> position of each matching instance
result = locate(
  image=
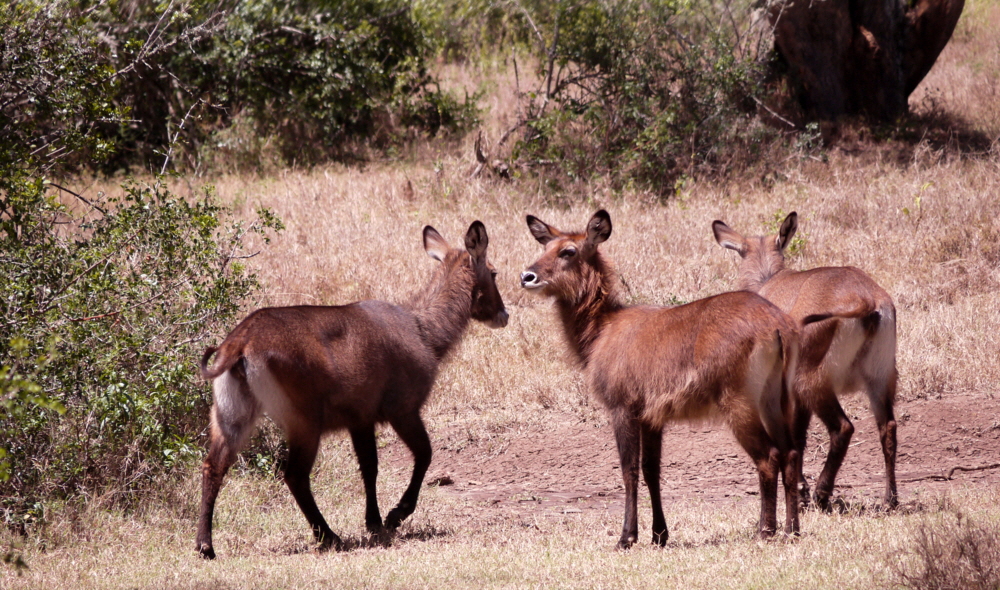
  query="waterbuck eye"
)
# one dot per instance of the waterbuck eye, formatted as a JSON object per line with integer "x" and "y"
{"x": 568, "y": 253}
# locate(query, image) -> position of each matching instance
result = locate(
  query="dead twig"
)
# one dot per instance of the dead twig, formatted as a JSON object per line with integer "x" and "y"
{"x": 480, "y": 156}
{"x": 497, "y": 166}
{"x": 980, "y": 468}
{"x": 773, "y": 114}
{"x": 951, "y": 473}
{"x": 173, "y": 140}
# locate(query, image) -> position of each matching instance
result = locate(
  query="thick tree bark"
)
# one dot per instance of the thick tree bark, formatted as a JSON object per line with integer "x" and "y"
{"x": 860, "y": 57}
{"x": 929, "y": 25}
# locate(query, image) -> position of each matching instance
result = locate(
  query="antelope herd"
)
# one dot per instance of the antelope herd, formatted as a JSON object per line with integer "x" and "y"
{"x": 762, "y": 359}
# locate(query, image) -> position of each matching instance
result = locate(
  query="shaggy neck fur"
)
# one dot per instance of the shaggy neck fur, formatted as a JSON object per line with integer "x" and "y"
{"x": 443, "y": 308}
{"x": 585, "y": 311}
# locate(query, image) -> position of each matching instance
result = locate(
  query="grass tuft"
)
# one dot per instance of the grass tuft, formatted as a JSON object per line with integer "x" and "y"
{"x": 950, "y": 551}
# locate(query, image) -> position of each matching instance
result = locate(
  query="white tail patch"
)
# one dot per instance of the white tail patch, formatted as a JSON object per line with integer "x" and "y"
{"x": 763, "y": 384}
{"x": 269, "y": 393}
{"x": 837, "y": 365}
{"x": 235, "y": 411}
{"x": 879, "y": 364}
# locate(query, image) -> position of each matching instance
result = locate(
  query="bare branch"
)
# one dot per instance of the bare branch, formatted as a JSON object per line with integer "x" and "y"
{"x": 773, "y": 114}
{"x": 173, "y": 140}
{"x": 78, "y": 196}
{"x": 531, "y": 22}
{"x": 980, "y": 468}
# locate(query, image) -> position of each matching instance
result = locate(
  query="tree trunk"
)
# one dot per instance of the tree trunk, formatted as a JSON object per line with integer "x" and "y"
{"x": 860, "y": 57}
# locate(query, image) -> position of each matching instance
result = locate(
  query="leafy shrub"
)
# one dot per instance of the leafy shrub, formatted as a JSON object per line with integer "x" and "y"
{"x": 319, "y": 77}
{"x": 647, "y": 92}
{"x": 55, "y": 88}
{"x": 472, "y": 30}
{"x": 125, "y": 294}
{"x": 102, "y": 303}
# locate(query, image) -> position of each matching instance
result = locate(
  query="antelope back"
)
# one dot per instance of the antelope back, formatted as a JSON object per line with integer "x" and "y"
{"x": 808, "y": 295}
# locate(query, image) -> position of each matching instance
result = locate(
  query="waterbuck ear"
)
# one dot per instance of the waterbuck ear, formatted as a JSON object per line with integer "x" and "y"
{"x": 476, "y": 240}
{"x": 542, "y": 231}
{"x": 434, "y": 244}
{"x": 728, "y": 238}
{"x": 598, "y": 228}
{"x": 787, "y": 230}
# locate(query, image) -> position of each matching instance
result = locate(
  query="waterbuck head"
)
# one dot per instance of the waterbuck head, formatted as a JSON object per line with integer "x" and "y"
{"x": 571, "y": 265}
{"x": 487, "y": 304}
{"x": 762, "y": 256}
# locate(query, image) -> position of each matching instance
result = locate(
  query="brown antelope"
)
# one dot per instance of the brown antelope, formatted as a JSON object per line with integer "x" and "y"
{"x": 854, "y": 349}
{"x": 315, "y": 370}
{"x": 727, "y": 356}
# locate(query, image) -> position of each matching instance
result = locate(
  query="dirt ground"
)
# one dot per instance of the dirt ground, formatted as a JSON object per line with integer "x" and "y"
{"x": 569, "y": 466}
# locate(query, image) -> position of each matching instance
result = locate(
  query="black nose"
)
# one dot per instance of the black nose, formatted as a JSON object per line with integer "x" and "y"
{"x": 528, "y": 277}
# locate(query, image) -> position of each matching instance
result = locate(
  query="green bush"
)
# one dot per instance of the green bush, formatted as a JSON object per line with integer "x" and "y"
{"x": 646, "y": 92}
{"x": 318, "y": 78}
{"x": 103, "y": 303}
{"x": 472, "y": 30}
{"x": 116, "y": 302}
{"x": 56, "y": 91}
{"x": 313, "y": 79}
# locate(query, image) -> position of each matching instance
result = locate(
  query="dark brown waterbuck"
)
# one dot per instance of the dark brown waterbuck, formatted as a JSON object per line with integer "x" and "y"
{"x": 853, "y": 351}
{"x": 315, "y": 370}
{"x": 730, "y": 356}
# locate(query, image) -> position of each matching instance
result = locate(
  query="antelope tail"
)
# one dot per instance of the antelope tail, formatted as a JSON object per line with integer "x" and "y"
{"x": 862, "y": 309}
{"x": 224, "y": 362}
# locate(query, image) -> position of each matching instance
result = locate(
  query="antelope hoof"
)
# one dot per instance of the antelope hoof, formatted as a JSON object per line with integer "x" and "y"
{"x": 331, "y": 541}
{"x": 626, "y": 542}
{"x": 660, "y": 539}
{"x": 395, "y": 517}
{"x": 374, "y": 526}
{"x": 891, "y": 500}
{"x": 823, "y": 502}
{"x": 805, "y": 498}
{"x": 206, "y": 551}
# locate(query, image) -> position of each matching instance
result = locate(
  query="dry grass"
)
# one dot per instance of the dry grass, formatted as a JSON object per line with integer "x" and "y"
{"x": 951, "y": 550}
{"x": 451, "y": 543}
{"x": 926, "y": 228}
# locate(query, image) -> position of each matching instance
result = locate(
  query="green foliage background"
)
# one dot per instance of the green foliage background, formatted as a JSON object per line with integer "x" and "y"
{"x": 646, "y": 92}
{"x": 311, "y": 79}
{"x": 317, "y": 78}
{"x": 102, "y": 303}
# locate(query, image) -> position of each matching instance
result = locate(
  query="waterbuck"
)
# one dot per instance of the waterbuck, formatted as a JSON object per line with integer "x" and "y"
{"x": 316, "y": 370}
{"x": 729, "y": 356}
{"x": 854, "y": 351}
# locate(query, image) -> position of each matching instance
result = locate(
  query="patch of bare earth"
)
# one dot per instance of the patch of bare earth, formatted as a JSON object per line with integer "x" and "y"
{"x": 563, "y": 465}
